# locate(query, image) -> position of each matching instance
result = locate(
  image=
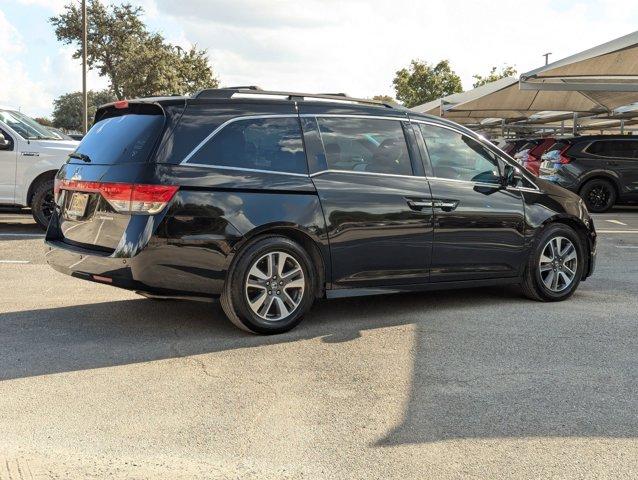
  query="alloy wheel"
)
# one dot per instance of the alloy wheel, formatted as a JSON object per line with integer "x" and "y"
{"x": 598, "y": 197}
{"x": 558, "y": 264}
{"x": 274, "y": 286}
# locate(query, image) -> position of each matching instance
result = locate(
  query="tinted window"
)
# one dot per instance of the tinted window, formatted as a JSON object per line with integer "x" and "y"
{"x": 365, "y": 145}
{"x": 272, "y": 144}
{"x": 121, "y": 139}
{"x": 614, "y": 148}
{"x": 459, "y": 157}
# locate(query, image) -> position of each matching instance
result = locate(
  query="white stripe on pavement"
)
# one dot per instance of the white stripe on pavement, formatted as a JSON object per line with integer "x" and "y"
{"x": 626, "y": 246}
{"x": 617, "y": 231}
{"x": 14, "y": 261}
{"x": 32, "y": 235}
{"x": 617, "y": 222}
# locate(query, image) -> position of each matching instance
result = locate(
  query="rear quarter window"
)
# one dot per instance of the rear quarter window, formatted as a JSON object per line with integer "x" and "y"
{"x": 614, "y": 148}
{"x": 270, "y": 144}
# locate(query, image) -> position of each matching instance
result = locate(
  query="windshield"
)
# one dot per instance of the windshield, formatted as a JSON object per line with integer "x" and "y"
{"x": 120, "y": 139}
{"x": 26, "y": 127}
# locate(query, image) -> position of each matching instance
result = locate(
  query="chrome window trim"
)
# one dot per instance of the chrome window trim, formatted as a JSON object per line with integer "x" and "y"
{"x": 357, "y": 172}
{"x": 242, "y": 169}
{"x": 228, "y": 122}
{"x": 503, "y": 155}
{"x": 347, "y": 115}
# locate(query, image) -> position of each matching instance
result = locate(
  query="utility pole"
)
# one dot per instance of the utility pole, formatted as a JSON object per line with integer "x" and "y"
{"x": 85, "y": 107}
{"x": 546, "y": 55}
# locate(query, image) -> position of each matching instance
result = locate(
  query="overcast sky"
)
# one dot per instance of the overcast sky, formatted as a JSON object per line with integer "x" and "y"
{"x": 318, "y": 45}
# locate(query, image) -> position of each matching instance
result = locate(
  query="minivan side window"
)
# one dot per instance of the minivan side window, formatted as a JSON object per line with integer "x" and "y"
{"x": 365, "y": 145}
{"x": 459, "y": 157}
{"x": 614, "y": 148}
{"x": 272, "y": 144}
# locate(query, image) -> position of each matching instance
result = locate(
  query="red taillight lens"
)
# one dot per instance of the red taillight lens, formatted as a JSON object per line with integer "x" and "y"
{"x": 121, "y": 104}
{"x": 564, "y": 159}
{"x": 126, "y": 197}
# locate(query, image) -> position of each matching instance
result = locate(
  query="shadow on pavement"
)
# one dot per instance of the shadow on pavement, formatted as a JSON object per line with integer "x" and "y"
{"x": 487, "y": 363}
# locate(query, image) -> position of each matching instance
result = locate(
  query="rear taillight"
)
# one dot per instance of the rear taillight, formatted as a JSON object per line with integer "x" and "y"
{"x": 563, "y": 159}
{"x": 125, "y": 197}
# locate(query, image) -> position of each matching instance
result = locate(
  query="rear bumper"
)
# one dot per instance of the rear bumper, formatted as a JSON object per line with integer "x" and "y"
{"x": 147, "y": 260}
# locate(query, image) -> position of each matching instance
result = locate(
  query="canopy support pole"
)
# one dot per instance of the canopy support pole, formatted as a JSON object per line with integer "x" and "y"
{"x": 575, "y": 124}
{"x": 622, "y": 127}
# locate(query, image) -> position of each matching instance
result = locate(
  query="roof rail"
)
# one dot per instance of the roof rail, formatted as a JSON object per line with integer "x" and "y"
{"x": 228, "y": 92}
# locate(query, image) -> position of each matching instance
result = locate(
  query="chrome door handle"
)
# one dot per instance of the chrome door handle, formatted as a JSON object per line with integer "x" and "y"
{"x": 419, "y": 204}
{"x": 446, "y": 204}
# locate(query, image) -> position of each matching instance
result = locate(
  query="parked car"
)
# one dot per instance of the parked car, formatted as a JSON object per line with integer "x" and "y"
{"x": 602, "y": 169}
{"x": 30, "y": 156}
{"x": 532, "y": 161}
{"x": 512, "y": 147}
{"x": 270, "y": 200}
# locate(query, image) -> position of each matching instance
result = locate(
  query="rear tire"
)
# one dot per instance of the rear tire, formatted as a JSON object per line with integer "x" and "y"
{"x": 270, "y": 286}
{"x": 42, "y": 203}
{"x": 554, "y": 270}
{"x": 599, "y": 195}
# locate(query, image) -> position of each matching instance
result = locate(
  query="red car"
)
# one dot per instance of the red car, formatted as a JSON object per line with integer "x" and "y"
{"x": 532, "y": 159}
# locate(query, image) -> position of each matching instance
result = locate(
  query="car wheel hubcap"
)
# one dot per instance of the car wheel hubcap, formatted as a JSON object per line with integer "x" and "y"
{"x": 274, "y": 286}
{"x": 47, "y": 205}
{"x": 599, "y": 196}
{"x": 558, "y": 264}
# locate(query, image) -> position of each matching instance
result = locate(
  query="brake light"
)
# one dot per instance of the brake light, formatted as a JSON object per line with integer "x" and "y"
{"x": 125, "y": 197}
{"x": 564, "y": 159}
{"x": 121, "y": 104}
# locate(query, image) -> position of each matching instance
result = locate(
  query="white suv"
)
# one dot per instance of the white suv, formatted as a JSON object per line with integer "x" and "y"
{"x": 30, "y": 156}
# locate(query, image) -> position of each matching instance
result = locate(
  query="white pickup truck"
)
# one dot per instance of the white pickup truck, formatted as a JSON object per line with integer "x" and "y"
{"x": 30, "y": 156}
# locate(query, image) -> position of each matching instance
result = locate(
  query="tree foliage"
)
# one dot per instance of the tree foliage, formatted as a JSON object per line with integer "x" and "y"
{"x": 67, "y": 108}
{"x": 138, "y": 63}
{"x": 422, "y": 82}
{"x": 506, "y": 71}
{"x": 44, "y": 121}
{"x": 385, "y": 99}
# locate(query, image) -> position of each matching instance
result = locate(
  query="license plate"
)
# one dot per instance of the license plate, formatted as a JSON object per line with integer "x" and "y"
{"x": 77, "y": 204}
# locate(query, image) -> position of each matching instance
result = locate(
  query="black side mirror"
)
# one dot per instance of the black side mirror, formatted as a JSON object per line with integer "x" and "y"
{"x": 5, "y": 144}
{"x": 507, "y": 179}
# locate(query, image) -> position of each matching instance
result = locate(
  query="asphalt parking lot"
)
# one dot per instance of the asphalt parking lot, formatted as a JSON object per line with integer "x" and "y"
{"x": 99, "y": 382}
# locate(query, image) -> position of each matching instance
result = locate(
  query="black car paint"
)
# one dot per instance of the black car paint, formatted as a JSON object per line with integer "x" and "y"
{"x": 368, "y": 238}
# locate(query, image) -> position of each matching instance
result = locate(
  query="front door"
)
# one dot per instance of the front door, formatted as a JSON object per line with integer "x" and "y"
{"x": 378, "y": 212}
{"x": 479, "y": 226}
{"x": 8, "y": 158}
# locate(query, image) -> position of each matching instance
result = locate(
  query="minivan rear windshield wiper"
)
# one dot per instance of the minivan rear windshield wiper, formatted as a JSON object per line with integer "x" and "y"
{"x": 80, "y": 156}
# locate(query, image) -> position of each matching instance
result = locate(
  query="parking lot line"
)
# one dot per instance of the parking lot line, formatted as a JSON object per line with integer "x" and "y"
{"x": 14, "y": 261}
{"x": 617, "y": 231}
{"x": 32, "y": 235}
{"x": 617, "y": 222}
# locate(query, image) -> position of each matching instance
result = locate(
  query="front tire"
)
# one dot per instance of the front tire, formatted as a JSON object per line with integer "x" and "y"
{"x": 270, "y": 286}
{"x": 42, "y": 203}
{"x": 599, "y": 195}
{"x": 555, "y": 267}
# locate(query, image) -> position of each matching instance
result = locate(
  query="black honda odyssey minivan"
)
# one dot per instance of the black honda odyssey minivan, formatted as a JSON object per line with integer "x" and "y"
{"x": 270, "y": 200}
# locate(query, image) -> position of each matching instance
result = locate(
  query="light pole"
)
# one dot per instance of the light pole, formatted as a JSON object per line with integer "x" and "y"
{"x": 85, "y": 107}
{"x": 546, "y": 55}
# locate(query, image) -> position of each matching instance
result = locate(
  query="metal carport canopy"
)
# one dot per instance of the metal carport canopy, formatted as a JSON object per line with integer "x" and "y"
{"x": 607, "y": 74}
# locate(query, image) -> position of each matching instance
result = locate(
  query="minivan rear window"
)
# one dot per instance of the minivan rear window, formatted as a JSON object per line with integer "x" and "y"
{"x": 271, "y": 144}
{"x": 124, "y": 138}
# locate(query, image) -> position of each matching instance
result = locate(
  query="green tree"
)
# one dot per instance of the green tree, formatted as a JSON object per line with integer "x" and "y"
{"x": 137, "y": 62}
{"x": 422, "y": 82}
{"x": 385, "y": 99}
{"x": 44, "y": 121}
{"x": 67, "y": 108}
{"x": 506, "y": 71}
